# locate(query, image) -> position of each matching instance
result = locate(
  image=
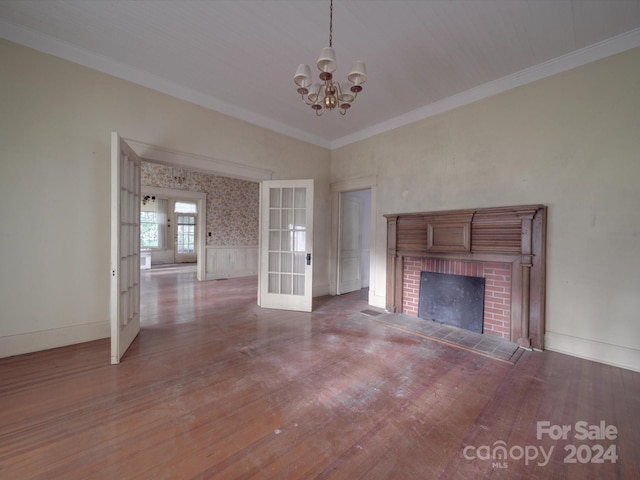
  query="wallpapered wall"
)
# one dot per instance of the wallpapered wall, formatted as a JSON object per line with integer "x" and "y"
{"x": 232, "y": 204}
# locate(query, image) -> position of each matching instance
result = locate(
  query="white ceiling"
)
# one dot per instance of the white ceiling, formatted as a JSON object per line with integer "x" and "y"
{"x": 239, "y": 56}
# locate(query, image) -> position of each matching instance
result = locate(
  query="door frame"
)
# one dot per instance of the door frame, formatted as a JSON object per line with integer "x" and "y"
{"x": 201, "y": 200}
{"x": 362, "y": 183}
{"x": 200, "y": 163}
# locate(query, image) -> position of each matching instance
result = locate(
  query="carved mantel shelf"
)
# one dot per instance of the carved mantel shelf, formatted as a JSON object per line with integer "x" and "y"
{"x": 512, "y": 235}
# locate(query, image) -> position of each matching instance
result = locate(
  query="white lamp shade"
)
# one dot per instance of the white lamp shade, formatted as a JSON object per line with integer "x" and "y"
{"x": 346, "y": 96}
{"x": 303, "y": 76}
{"x": 313, "y": 92}
{"x": 327, "y": 60}
{"x": 358, "y": 73}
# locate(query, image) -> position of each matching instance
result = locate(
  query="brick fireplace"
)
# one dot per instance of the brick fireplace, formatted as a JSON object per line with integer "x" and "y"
{"x": 497, "y": 292}
{"x": 504, "y": 245}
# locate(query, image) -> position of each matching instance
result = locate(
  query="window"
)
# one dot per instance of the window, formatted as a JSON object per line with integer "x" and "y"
{"x": 185, "y": 207}
{"x": 153, "y": 224}
{"x": 149, "y": 230}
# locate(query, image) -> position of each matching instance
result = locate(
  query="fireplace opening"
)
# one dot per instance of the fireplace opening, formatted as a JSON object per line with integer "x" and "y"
{"x": 456, "y": 300}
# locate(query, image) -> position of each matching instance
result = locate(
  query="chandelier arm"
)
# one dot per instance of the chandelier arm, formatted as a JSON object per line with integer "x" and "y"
{"x": 306, "y": 100}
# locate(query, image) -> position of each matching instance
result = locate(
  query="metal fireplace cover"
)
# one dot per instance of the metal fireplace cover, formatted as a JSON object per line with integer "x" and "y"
{"x": 452, "y": 299}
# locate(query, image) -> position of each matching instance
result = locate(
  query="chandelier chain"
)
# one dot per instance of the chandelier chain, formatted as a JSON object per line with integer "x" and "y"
{"x": 331, "y": 24}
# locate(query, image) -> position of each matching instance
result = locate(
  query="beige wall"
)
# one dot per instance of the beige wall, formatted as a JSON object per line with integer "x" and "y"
{"x": 56, "y": 120}
{"x": 571, "y": 142}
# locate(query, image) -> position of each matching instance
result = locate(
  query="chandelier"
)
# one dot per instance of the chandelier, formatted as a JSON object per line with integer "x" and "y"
{"x": 148, "y": 199}
{"x": 329, "y": 94}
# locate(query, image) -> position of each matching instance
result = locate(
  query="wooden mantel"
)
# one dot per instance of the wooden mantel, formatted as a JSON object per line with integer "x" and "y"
{"x": 513, "y": 235}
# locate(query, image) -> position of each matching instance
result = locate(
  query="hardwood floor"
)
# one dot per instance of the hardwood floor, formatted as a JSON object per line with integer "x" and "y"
{"x": 215, "y": 387}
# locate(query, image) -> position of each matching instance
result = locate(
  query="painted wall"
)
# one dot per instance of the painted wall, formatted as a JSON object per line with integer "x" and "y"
{"x": 55, "y": 126}
{"x": 571, "y": 142}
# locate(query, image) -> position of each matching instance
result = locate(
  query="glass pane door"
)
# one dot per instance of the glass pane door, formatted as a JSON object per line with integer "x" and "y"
{"x": 287, "y": 240}
{"x": 186, "y": 234}
{"x": 286, "y": 244}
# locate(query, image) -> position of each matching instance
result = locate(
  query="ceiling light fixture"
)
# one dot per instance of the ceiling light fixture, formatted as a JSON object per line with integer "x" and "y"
{"x": 329, "y": 94}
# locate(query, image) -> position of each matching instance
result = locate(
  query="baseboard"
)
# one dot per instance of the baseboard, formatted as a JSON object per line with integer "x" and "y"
{"x": 606, "y": 353}
{"x": 58, "y": 337}
{"x": 235, "y": 274}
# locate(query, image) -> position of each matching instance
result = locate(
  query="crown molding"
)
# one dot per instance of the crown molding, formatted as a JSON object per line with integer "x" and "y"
{"x": 68, "y": 51}
{"x": 591, "y": 53}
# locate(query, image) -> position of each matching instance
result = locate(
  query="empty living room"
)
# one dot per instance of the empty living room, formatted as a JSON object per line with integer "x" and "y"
{"x": 415, "y": 255}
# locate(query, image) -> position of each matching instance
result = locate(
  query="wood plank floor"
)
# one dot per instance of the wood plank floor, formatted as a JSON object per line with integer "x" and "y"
{"x": 215, "y": 387}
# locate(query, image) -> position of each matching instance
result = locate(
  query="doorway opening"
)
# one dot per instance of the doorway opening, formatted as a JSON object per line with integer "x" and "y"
{"x": 354, "y": 241}
{"x": 185, "y": 215}
{"x": 353, "y": 228}
{"x": 177, "y": 237}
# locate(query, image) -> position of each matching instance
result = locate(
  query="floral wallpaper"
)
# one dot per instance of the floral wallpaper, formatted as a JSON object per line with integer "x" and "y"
{"x": 232, "y": 204}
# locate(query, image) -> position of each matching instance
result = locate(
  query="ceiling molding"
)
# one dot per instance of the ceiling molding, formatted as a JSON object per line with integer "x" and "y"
{"x": 68, "y": 51}
{"x": 592, "y": 53}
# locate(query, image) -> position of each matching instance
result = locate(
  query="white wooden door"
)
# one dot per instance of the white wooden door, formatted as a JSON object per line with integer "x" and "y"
{"x": 125, "y": 247}
{"x": 349, "y": 243}
{"x": 286, "y": 245}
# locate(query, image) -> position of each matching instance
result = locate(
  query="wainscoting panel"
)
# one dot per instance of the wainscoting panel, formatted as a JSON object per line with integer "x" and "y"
{"x": 231, "y": 261}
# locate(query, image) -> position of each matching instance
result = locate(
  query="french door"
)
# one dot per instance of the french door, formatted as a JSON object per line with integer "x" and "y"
{"x": 286, "y": 245}
{"x": 125, "y": 247}
{"x": 184, "y": 247}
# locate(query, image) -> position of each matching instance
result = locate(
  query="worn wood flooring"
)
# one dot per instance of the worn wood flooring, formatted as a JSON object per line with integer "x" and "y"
{"x": 215, "y": 387}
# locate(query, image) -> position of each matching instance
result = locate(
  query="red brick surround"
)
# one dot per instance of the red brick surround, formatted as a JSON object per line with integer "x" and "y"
{"x": 497, "y": 296}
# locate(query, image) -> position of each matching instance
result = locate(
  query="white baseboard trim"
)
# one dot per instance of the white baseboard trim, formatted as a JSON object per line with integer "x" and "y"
{"x": 58, "y": 337}
{"x": 606, "y": 353}
{"x": 236, "y": 274}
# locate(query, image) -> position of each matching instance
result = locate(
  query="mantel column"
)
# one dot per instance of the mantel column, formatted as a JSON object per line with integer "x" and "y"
{"x": 527, "y": 262}
{"x": 392, "y": 260}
